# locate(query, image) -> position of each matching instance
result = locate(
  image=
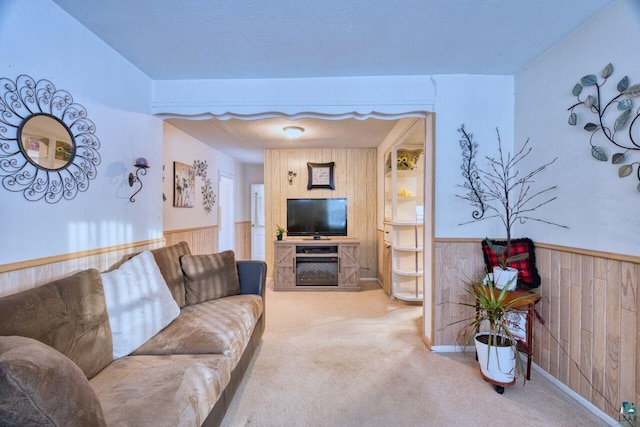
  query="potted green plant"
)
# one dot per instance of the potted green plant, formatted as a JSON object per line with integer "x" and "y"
{"x": 504, "y": 276}
{"x": 496, "y": 347}
{"x": 279, "y": 232}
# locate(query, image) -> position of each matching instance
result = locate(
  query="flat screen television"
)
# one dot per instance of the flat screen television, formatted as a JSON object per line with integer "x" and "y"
{"x": 317, "y": 217}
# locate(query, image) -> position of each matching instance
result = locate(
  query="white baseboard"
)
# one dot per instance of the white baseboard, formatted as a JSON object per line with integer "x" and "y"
{"x": 590, "y": 406}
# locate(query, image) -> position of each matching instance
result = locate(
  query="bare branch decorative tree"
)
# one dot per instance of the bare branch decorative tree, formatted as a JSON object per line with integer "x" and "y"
{"x": 501, "y": 191}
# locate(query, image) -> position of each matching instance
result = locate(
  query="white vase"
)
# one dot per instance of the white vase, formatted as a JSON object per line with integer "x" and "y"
{"x": 502, "y": 278}
{"x": 497, "y": 364}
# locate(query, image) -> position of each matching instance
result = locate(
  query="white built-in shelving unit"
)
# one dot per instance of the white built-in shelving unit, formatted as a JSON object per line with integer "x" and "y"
{"x": 404, "y": 220}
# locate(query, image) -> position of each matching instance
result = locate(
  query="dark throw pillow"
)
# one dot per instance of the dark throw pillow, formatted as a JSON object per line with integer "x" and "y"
{"x": 528, "y": 276}
{"x": 209, "y": 277}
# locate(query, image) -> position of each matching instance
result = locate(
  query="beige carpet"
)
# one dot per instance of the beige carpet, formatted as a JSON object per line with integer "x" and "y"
{"x": 356, "y": 359}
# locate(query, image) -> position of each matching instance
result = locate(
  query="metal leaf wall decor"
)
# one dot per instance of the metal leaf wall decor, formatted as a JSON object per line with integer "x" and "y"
{"x": 618, "y": 112}
{"x": 208, "y": 198}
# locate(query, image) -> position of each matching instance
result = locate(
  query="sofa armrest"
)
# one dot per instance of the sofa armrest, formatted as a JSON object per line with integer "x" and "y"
{"x": 253, "y": 276}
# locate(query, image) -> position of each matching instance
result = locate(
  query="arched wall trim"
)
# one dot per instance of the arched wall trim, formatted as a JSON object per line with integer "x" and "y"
{"x": 304, "y": 114}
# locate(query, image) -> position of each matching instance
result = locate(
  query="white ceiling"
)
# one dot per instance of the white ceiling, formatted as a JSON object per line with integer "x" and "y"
{"x": 234, "y": 39}
{"x": 243, "y": 139}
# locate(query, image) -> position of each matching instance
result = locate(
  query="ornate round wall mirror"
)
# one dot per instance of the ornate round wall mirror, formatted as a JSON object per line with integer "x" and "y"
{"x": 46, "y": 142}
{"x": 48, "y": 146}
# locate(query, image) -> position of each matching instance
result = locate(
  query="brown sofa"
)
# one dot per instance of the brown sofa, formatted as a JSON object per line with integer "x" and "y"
{"x": 57, "y": 362}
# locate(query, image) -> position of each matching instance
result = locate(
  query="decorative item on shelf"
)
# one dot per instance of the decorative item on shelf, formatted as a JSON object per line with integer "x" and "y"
{"x": 408, "y": 159}
{"x": 49, "y": 149}
{"x": 208, "y": 198}
{"x": 141, "y": 166}
{"x": 496, "y": 347}
{"x": 291, "y": 175}
{"x": 320, "y": 175}
{"x": 279, "y": 232}
{"x": 595, "y": 103}
{"x": 502, "y": 191}
{"x": 403, "y": 192}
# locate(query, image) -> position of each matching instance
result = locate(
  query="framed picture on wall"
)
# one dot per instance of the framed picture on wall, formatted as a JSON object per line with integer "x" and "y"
{"x": 184, "y": 185}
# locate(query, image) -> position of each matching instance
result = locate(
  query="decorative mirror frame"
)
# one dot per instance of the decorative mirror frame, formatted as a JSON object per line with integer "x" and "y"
{"x": 24, "y": 99}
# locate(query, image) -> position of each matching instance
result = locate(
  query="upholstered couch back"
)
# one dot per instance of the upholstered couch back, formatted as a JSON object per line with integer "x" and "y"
{"x": 168, "y": 260}
{"x": 68, "y": 314}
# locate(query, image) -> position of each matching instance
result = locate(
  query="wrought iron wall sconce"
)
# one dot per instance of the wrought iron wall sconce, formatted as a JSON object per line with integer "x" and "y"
{"x": 141, "y": 166}
{"x": 292, "y": 175}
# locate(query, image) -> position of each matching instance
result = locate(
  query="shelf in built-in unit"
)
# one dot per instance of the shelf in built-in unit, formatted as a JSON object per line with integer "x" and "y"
{"x": 408, "y": 272}
{"x": 408, "y": 296}
{"x": 408, "y": 248}
{"x": 405, "y": 223}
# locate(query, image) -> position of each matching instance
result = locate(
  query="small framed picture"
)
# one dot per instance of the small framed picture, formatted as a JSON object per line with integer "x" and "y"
{"x": 320, "y": 175}
{"x": 184, "y": 183}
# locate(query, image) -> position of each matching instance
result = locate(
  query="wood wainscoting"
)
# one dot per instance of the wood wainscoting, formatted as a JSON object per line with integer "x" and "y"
{"x": 201, "y": 240}
{"x": 204, "y": 240}
{"x": 243, "y": 240}
{"x": 24, "y": 275}
{"x": 591, "y": 337}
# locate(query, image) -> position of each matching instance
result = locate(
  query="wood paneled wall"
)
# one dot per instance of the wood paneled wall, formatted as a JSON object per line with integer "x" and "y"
{"x": 243, "y": 240}
{"x": 201, "y": 240}
{"x": 591, "y": 337}
{"x": 355, "y": 179}
{"x": 204, "y": 240}
{"x": 29, "y": 274}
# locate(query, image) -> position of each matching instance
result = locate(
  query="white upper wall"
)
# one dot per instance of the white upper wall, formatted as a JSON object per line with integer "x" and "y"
{"x": 180, "y": 147}
{"x": 43, "y": 41}
{"x": 600, "y": 208}
{"x": 482, "y": 104}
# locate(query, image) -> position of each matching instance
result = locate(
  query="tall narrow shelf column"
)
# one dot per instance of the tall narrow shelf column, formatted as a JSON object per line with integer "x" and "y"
{"x": 404, "y": 220}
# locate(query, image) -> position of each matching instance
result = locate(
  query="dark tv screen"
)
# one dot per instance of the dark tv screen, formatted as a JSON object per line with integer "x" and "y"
{"x": 317, "y": 217}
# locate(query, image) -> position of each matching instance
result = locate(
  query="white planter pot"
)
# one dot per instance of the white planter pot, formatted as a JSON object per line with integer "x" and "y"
{"x": 502, "y": 278}
{"x": 498, "y": 364}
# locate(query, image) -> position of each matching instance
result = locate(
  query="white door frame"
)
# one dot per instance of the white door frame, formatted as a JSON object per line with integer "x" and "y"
{"x": 226, "y": 215}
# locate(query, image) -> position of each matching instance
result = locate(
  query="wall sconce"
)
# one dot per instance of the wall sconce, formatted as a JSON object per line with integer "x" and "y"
{"x": 292, "y": 175}
{"x": 141, "y": 166}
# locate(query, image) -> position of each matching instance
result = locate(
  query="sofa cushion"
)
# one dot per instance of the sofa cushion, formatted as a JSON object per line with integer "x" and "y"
{"x": 168, "y": 260}
{"x": 172, "y": 390}
{"x": 220, "y": 326}
{"x": 68, "y": 314}
{"x": 209, "y": 277}
{"x": 40, "y": 386}
{"x": 138, "y": 301}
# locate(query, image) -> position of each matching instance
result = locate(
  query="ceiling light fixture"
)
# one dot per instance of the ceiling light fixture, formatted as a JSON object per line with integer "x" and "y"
{"x": 293, "y": 132}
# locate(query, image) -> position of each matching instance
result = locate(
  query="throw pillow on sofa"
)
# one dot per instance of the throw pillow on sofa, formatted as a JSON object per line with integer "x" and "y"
{"x": 139, "y": 303}
{"x": 40, "y": 386}
{"x": 210, "y": 277}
